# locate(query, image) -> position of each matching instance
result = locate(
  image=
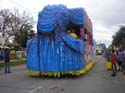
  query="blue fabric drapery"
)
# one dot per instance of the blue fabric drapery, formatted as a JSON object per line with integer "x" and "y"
{"x": 62, "y": 52}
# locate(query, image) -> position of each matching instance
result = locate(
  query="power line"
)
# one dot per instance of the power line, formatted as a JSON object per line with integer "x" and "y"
{"x": 17, "y": 4}
{"x": 23, "y": 3}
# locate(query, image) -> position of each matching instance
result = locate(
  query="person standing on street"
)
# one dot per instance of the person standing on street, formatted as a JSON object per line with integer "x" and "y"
{"x": 123, "y": 61}
{"x": 113, "y": 60}
{"x": 119, "y": 59}
{"x": 7, "y": 61}
{"x": 1, "y": 56}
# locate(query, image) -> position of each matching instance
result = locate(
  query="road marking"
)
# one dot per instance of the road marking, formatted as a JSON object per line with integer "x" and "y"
{"x": 36, "y": 89}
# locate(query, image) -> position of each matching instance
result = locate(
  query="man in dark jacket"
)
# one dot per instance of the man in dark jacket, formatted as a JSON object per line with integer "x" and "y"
{"x": 7, "y": 60}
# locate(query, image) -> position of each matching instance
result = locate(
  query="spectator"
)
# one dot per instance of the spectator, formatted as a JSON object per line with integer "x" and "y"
{"x": 72, "y": 33}
{"x": 108, "y": 55}
{"x": 119, "y": 59}
{"x": 123, "y": 62}
{"x": 1, "y": 55}
{"x": 113, "y": 60}
{"x": 7, "y": 61}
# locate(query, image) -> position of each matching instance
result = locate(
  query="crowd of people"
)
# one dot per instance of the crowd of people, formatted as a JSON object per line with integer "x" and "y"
{"x": 117, "y": 57}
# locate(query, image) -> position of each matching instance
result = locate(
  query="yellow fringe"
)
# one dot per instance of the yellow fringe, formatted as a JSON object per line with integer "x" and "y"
{"x": 58, "y": 74}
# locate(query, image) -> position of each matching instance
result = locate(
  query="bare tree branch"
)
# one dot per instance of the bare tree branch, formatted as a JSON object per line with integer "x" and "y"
{"x": 13, "y": 22}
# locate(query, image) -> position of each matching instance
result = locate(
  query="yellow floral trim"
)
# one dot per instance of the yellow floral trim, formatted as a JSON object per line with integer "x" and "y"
{"x": 58, "y": 74}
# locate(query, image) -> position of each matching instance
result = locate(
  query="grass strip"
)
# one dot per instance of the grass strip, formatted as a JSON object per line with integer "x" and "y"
{"x": 14, "y": 63}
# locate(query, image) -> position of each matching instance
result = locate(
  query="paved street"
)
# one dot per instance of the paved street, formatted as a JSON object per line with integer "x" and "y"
{"x": 98, "y": 80}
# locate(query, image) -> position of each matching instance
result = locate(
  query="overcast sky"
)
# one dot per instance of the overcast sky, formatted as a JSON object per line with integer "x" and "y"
{"x": 106, "y": 15}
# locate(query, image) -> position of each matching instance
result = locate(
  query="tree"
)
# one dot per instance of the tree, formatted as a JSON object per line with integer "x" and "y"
{"x": 16, "y": 25}
{"x": 119, "y": 37}
{"x": 5, "y": 20}
{"x": 21, "y": 37}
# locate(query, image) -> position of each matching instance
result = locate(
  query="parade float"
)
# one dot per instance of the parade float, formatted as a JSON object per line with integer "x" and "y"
{"x": 56, "y": 52}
